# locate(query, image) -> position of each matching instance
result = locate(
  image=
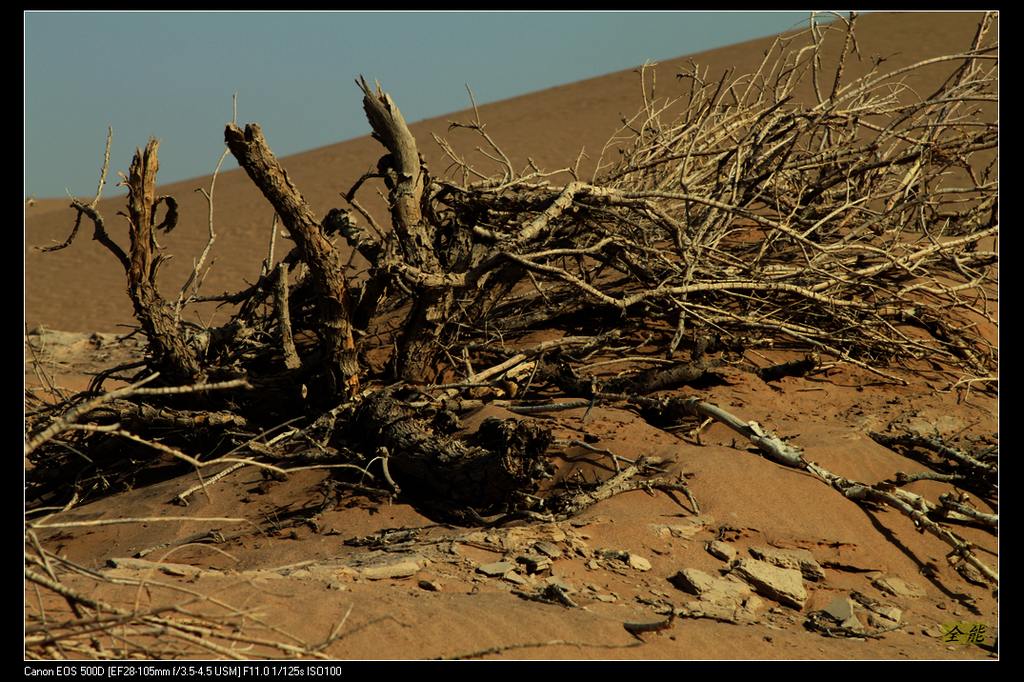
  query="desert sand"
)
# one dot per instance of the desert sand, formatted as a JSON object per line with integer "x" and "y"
{"x": 305, "y": 568}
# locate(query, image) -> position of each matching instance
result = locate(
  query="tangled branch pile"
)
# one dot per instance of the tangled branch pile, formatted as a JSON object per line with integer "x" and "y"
{"x": 860, "y": 227}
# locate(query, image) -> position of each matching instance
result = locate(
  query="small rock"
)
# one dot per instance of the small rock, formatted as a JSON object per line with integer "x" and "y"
{"x": 800, "y": 559}
{"x": 693, "y": 580}
{"x": 397, "y": 569}
{"x": 684, "y": 531}
{"x": 784, "y": 585}
{"x": 579, "y": 547}
{"x": 560, "y": 584}
{"x": 841, "y": 611}
{"x": 879, "y": 615}
{"x": 548, "y": 549}
{"x": 880, "y": 620}
{"x": 430, "y": 585}
{"x": 514, "y": 578}
{"x": 593, "y": 565}
{"x": 840, "y": 608}
{"x": 495, "y": 569}
{"x": 638, "y": 562}
{"x": 753, "y": 603}
{"x": 721, "y": 550}
{"x": 607, "y": 598}
{"x": 534, "y": 563}
{"x": 705, "y": 586}
{"x": 638, "y": 627}
{"x": 897, "y": 587}
{"x": 720, "y": 599}
{"x": 726, "y": 611}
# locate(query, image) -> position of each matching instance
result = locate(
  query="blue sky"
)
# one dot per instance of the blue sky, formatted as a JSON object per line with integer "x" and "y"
{"x": 172, "y": 74}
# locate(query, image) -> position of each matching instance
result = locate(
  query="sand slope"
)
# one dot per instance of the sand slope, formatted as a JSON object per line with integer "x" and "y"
{"x": 550, "y": 127}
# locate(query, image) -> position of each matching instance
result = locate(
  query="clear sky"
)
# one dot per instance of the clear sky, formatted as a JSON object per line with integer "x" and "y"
{"x": 172, "y": 74}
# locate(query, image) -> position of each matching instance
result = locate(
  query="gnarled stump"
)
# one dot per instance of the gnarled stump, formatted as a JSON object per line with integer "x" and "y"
{"x": 506, "y": 460}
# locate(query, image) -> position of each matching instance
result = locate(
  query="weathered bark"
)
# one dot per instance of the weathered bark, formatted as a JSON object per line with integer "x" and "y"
{"x": 793, "y": 368}
{"x": 173, "y": 355}
{"x": 291, "y": 356}
{"x": 138, "y": 416}
{"x": 406, "y": 187}
{"x": 660, "y": 379}
{"x": 326, "y": 270}
{"x": 507, "y": 461}
{"x": 424, "y": 327}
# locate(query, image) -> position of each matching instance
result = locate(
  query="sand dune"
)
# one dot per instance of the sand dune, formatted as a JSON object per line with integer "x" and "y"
{"x": 82, "y": 288}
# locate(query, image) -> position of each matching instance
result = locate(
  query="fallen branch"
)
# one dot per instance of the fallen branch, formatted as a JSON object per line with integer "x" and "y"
{"x": 908, "y": 504}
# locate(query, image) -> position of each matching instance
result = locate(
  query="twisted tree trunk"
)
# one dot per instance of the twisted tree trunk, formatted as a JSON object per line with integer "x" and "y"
{"x": 172, "y": 353}
{"x": 326, "y": 270}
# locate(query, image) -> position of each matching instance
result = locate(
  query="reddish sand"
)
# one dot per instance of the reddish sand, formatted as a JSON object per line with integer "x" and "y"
{"x": 299, "y": 577}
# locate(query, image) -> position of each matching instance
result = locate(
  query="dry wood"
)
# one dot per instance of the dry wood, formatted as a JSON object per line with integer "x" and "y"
{"x": 172, "y": 351}
{"x": 254, "y": 155}
{"x": 405, "y": 174}
{"x": 508, "y": 461}
{"x": 284, "y": 320}
{"x": 535, "y": 645}
{"x": 77, "y": 411}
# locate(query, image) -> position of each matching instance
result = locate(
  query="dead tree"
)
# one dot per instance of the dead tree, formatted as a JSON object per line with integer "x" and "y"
{"x": 326, "y": 273}
{"x": 172, "y": 351}
{"x": 857, "y": 227}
